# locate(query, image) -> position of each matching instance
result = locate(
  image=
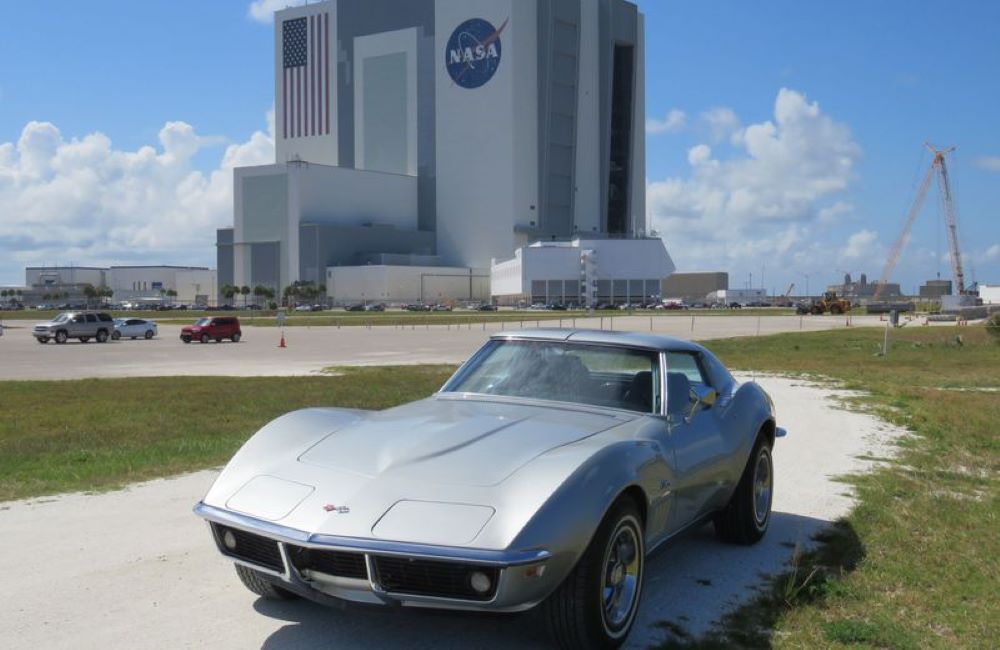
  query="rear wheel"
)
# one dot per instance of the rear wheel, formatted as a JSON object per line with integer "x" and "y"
{"x": 253, "y": 581}
{"x": 595, "y": 607}
{"x": 102, "y": 336}
{"x": 746, "y": 517}
{"x": 61, "y": 337}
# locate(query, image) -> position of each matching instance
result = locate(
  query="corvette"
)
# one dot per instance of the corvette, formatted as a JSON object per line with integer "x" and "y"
{"x": 543, "y": 473}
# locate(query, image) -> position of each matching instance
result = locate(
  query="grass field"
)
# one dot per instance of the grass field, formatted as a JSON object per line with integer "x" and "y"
{"x": 917, "y": 563}
{"x": 103, "y": 433}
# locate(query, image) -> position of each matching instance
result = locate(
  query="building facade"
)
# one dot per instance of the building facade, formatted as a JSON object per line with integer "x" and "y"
{"x": 459, "y": 130}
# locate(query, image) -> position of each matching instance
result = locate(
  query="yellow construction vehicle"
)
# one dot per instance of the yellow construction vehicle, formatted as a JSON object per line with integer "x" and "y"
{"x": 830, "y": 303}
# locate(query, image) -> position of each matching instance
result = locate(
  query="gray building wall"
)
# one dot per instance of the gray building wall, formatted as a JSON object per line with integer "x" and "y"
{"x": 326, "y": 245}
{"x": 224, "y": 258}
{"x": 694, "y": 286}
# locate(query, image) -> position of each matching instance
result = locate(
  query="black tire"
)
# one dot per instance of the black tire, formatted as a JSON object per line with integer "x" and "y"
{"x": 205, "y": 338}
{"x": 577, "y": 613}
{"x": 745, "y": 520}
{"x": 84, "y": 339}
{"x": 148, "y": 335}
{"x": 116, "y": 335}
{"x": 102, "y": 336}
{"x": 43, "y": 339}
{"x": 253, "y": 581}
{"x": 186, "y": 339}
{"x": 236, "y": 337}
{"x": 61, "y": 337}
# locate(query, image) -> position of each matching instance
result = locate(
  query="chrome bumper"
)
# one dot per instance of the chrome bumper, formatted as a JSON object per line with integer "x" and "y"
{"x": 522, "y": 583}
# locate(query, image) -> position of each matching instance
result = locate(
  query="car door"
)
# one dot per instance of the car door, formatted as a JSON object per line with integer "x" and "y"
{"x": 77, "y": 325}
{"x": 699, "y": 447}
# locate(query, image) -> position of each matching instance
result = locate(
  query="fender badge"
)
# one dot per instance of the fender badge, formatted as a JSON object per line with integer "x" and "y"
{"x": 340, "y": 510}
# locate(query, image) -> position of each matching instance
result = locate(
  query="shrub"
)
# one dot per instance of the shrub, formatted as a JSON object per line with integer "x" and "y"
{"x": 993, "y": 325}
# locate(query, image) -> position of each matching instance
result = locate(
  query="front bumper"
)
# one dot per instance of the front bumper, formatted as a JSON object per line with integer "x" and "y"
{"x": 330, "y": 569}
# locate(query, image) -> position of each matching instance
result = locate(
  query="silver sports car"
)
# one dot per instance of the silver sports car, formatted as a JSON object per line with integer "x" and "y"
{"x": 542, "y": 473}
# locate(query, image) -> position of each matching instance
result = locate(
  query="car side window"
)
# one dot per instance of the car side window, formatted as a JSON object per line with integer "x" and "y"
{"x": 91, "y": 318}
{"x": 105, "y": 318}
{"x": 690, "y": 365}
{"x": 79, "y": 319}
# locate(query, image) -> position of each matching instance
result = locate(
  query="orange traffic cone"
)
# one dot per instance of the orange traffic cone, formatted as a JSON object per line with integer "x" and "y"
{"x": 282, "y": 344}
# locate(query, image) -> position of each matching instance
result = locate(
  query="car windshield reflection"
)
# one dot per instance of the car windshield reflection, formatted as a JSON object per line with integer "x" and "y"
{"x": 607, "y": 376}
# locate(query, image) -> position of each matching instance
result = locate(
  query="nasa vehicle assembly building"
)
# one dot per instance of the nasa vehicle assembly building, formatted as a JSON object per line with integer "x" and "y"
{"x": 440, "y": 139}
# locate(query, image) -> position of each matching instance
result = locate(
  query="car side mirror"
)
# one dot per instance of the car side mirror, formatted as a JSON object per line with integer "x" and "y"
{"x": 706, "y": 395}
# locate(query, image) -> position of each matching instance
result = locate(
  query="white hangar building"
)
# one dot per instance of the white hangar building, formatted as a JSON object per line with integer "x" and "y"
{"x": 445, "y": 135}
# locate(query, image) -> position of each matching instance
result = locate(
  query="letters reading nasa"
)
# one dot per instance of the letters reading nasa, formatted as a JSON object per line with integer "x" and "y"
{"x": 474, "y": 52}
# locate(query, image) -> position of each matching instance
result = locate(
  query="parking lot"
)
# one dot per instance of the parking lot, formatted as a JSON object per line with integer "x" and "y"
{"x": 311, "y": 349}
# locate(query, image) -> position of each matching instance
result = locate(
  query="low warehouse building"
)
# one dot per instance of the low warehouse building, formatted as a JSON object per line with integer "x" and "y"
{"x": 694, "y": 287}
{"x": 400, "y": 284}
{"x": 584, "y": 272}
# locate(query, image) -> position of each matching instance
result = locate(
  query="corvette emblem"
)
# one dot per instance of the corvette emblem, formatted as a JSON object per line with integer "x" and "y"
{"x": 340, "y": 510}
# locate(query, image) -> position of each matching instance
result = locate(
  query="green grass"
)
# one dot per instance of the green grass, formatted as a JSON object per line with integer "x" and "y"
{"x": 104, "y": 433}
{"x": 917, "y": 563}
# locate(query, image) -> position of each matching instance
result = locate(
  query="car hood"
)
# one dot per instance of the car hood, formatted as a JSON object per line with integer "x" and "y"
{"x": 425, "y": 472}
{"x": 452, "y": 441}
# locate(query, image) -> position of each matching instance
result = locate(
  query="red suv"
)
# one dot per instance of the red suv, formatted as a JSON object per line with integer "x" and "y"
{"x": 218, "y": 328}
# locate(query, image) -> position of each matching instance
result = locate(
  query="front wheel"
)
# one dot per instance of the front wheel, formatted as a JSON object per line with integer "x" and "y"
{"x": 149, "y": 334}
{"x": 116, "y": 335}
{"x": 595, "y": 607}
{"x": 236, "y": 337}
{"x": 746, "y": 517}
{"x": 205, "y": 338}
{"x": 258, "y": 585}
{"x": 61, "y": 337}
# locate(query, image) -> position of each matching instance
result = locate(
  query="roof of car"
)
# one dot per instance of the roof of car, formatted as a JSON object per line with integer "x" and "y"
{"x": 603, "y": 337}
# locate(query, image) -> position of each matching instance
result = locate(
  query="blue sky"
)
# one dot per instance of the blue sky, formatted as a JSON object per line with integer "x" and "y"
{"x": 788, "y": 134}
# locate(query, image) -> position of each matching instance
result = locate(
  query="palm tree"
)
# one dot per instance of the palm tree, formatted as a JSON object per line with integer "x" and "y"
{"x": 228, "y": 291}
{"x": 259, "y": 292}
{"x": 90, "y": 292}
{"x": 172, "y": 294}
{"x": 107, "y": 293}
{"x": 244, "y": 291}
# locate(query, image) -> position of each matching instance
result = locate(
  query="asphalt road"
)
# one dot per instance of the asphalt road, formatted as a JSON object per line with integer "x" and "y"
{"x": 135, "y": 569}
{"x": 310, "y": 349}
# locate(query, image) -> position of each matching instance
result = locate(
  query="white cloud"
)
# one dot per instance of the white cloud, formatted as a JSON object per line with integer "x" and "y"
{"x": 84, "y": 201}
{"x": 989, "y": 163}
{"x": 673, "y": 122}
{"x": 992, "y": 253}
{"x": 860, "y": 245}
{"x": 263, "y": 10}
{"x": 768, "y": 202}
{"x": 723, "y": 124}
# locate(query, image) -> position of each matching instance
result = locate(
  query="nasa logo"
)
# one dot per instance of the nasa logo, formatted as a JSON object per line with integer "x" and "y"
{"x": 474, "y": 52}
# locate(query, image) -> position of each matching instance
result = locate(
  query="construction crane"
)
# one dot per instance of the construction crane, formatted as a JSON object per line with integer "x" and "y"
{"x": 940, "y": 169}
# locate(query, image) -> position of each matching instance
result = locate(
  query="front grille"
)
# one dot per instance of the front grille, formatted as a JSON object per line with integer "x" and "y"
{"x": 341, "y": 564}
{"x": 433, "y": 578}
{"x": 249, "y": 547}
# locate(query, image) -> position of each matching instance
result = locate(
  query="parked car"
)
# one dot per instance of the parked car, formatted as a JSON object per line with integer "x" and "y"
{"x": 81, "y": 325}
{"x": 305, "y": 308}
{"x": 442, "y": 307}
{"x": 487, "y": 307}
{"x": 216, "y": 328}
{"x": 134, "y": 328}
{"x": 551, "y": 464}
{"x": 375, "y": 307}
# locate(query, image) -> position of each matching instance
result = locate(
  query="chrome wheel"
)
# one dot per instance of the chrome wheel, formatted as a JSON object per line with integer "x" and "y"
{"x": 763, "y": 482}
{"x": 622, "y": 577}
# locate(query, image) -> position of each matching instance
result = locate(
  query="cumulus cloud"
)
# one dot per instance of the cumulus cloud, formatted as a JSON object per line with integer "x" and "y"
{"x": 263, "y": 10}
{"x": 673, "y": 122}
{"x": 82, "y": 200}
{"x": 860, "y": 245}
{"x": 722, "y": 123}
{"x": 989, "y": 163}
{"x": 783, "y": 184}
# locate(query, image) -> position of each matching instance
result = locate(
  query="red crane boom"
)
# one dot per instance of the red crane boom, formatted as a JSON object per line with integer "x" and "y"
{"x": 940, "y": 168}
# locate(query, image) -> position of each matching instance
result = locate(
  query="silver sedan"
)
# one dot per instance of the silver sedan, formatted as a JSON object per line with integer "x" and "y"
{"x": 542, "y": 474}
{"x": 134, "y": 328}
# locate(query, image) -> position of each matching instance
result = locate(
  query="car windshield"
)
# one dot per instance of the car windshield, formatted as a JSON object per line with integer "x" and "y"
{"x": 202, "y": 322}
{"x": 61, "y": 318}
{"x": 616, "y": 377}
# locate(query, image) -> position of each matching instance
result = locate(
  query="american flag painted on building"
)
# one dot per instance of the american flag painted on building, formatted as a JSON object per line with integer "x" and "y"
{"x": 305, "y": 92}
